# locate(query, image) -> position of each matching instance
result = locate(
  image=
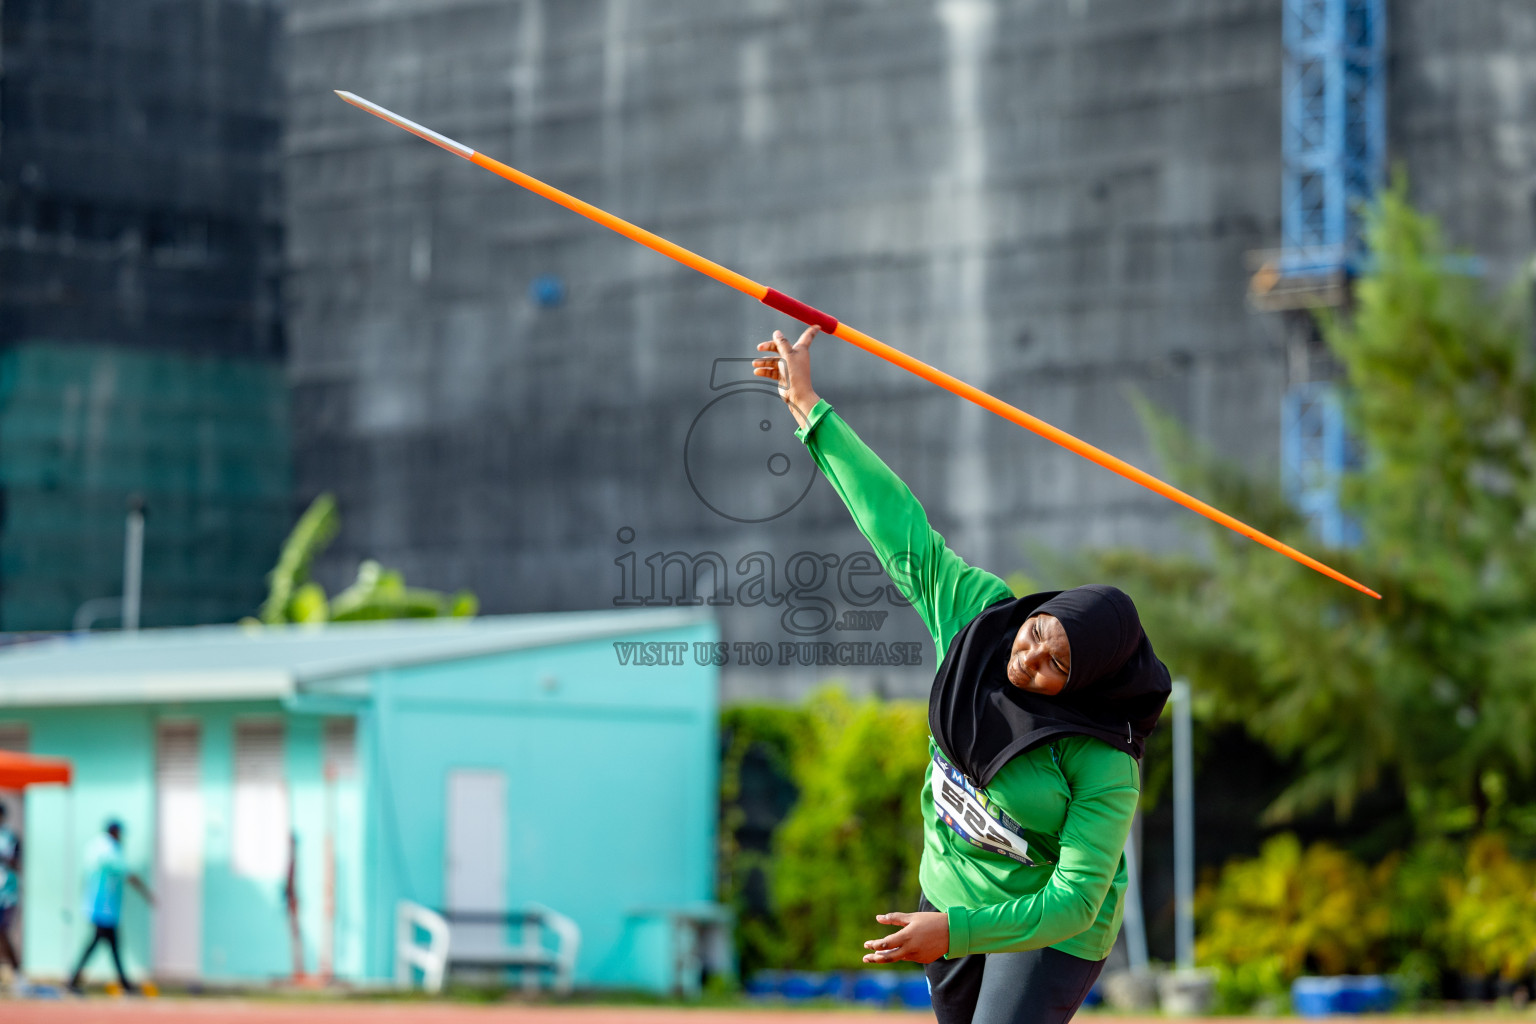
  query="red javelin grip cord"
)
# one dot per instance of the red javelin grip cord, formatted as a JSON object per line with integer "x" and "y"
{"x": 799, "y": 310}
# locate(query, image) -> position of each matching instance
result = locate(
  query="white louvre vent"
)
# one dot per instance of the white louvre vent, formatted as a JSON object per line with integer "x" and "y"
{"x": 261, "y": 825}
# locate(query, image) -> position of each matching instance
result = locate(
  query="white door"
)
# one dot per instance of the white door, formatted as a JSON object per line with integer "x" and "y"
{"x": 178, "y": 916}
{"x": 477, "y": 855}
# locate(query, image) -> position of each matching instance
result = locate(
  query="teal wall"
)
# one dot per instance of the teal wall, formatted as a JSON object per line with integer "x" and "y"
{"x": 244, "y": 924}
{"x": 113, "y": 753}
{"x": 611, "y": 774}
{"x": 203, "y": 439}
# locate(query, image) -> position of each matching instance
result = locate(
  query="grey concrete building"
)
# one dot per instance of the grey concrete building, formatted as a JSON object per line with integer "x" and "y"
{"x": 140, "y": 333}
{"x": 1052, "y": 199}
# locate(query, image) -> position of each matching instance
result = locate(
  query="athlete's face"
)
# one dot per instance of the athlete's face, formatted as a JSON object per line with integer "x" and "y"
{"x": 1041, "y": 658}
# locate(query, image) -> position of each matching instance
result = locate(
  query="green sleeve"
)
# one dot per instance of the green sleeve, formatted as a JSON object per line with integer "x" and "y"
{"x": 1105, "y": 788}
{"x": 946, "y": 592}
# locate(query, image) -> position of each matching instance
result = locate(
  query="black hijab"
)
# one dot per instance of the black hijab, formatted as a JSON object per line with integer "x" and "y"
{"x": 1115, "y": 690}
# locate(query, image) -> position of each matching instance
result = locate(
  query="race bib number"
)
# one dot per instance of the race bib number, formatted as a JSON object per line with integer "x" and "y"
{"x": 973, "y": 815}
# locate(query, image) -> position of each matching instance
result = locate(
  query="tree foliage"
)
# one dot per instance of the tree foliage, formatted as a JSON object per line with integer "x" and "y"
{"x": 377, "y": 593}
{"x": 315, "y": 529}
{"x": 1431, "y": 688}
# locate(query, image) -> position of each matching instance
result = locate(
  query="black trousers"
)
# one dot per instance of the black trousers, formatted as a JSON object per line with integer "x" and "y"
{"x": 1040, "y": 986}
{"x": 7, "y": 949}
{"x": 107, "y": 933}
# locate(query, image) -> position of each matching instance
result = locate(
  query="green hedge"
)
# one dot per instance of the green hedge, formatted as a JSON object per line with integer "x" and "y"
{"x": 820, "y": 829}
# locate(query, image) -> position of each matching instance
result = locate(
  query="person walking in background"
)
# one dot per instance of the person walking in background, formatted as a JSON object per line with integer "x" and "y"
{"x": 107, "y": 871}
{"x": 10, "y": 893}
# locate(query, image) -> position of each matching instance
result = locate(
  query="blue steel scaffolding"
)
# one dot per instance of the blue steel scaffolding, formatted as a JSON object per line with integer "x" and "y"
{"x": 1315, "y": 451}
{"x": 1333, "y": 134}
{"x": 1333, "y": 144}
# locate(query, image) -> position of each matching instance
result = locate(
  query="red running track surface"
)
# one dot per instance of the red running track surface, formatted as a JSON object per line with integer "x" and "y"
{"x": 233, "y": 1011}
{"x": 229, "y": 1011}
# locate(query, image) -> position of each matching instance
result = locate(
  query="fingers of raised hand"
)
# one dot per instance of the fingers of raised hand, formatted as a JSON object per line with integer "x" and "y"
{"x": 807, "y": 336}
{"x": 770, "y": 368}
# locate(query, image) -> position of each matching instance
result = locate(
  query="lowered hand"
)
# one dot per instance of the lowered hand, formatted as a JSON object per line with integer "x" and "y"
{"x": 923, "y": 938}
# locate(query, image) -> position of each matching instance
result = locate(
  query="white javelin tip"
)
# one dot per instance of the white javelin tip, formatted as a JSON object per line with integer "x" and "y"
{"x": 406, "y": 123}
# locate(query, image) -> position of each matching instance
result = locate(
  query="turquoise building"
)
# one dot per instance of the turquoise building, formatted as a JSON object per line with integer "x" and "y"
{"x": 469, "y": 765}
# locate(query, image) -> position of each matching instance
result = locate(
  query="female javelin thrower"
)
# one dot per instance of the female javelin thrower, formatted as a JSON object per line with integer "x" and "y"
{"x": 1038, "y": 714}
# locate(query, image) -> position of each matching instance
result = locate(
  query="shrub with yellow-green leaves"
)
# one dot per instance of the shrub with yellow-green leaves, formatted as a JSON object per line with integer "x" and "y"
{"x": 1490, "y": 927}
{"x": 1467, "y": 906}
{"x": 1287, "y": 912}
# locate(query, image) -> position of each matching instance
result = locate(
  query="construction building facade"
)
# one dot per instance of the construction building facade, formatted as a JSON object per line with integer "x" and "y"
{"x": 1065, "y": 202}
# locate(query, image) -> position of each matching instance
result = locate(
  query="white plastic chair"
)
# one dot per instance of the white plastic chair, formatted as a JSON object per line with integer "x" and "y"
{"x": 568, "y": 944}
{"x": 432, "y": 959}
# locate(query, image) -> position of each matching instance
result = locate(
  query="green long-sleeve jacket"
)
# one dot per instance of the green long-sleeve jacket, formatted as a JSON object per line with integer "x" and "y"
{"x": 1074, "y": 798}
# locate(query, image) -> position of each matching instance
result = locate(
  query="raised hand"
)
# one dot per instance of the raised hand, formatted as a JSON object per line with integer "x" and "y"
{"x": 791, "y": 369}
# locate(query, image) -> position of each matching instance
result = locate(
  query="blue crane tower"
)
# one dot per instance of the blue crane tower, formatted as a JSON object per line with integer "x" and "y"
{"x": 1333, "y": 144}
{"x": 1333, "y": 129}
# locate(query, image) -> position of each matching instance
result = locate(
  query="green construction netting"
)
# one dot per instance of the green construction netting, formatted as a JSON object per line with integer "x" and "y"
{"x": 204, "y": 440}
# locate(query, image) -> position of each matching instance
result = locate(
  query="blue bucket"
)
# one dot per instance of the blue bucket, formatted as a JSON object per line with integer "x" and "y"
{"x": 1316, "y": 997}
{"x": 1346, "y": 993}
{"x": 914, "y": 994}
{"x": 876, "y": 987}
{"x": 801, "y": 985}
{"x": 1368, "y": 993}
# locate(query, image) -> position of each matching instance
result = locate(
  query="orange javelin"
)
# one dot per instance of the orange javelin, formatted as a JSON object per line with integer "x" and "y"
{"x": 810, "y": 315}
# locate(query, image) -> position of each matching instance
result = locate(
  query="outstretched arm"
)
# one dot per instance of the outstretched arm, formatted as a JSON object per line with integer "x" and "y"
{"x": 946, "y": 592}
